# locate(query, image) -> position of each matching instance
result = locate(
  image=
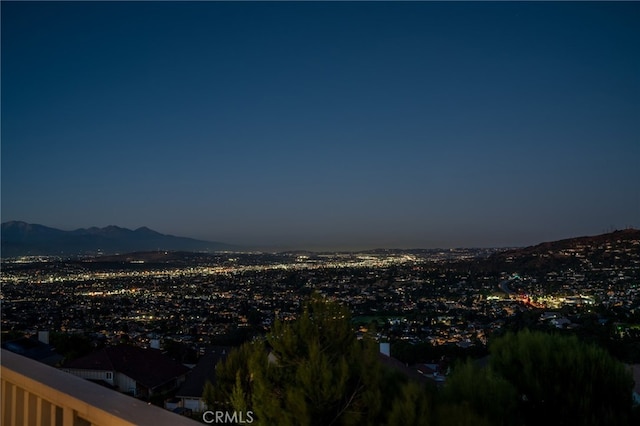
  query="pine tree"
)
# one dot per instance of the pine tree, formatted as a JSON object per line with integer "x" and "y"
{"x": 209, "y": 395}
{"x": 483, "y": 392}
{"x": 234, "y": 376}
{"x": 316, "y": 373}
{"x": 411, "y": 408}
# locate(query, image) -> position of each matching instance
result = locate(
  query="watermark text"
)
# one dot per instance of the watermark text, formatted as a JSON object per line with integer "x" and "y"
{"x": 234, "y": 417}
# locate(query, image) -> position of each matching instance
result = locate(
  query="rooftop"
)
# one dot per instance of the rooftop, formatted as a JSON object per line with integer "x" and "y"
{"x": 78, "y": 398}
{"x": 147, "y": 366}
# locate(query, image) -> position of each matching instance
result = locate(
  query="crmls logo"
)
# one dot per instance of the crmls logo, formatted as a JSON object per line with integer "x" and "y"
{"x": 237, "y": 417}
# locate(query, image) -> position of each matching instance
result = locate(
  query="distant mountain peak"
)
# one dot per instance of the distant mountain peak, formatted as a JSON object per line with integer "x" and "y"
{"x": 21, "y": 224}
{"x": 145, "y": 230}
{"x": 14, "y": 223}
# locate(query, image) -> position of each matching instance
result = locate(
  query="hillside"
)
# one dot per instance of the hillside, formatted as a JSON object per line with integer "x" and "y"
{"x": 618, "y": 248}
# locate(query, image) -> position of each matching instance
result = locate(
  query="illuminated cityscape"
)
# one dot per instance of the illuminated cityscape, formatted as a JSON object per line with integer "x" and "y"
{"x": 201, "y": 201}
{"x": 436, "y": 296}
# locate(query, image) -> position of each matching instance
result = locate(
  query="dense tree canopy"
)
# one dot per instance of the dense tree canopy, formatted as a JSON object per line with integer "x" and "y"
{"x": 562, "y": 381}
{"x": 484, "y": 392}
{"x": 314, "y": 371}
{"x": 536, "y": 378}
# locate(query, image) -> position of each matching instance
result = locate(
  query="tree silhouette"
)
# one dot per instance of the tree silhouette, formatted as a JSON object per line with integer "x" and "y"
{"x": 208, "y": 394}
{"x": 316, "y": 372}
{"x": 563, "y": 381}
{"x": 412, "y": 407}
{"x": 484, "y": 392}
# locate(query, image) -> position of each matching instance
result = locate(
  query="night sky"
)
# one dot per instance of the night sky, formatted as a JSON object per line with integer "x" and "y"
{"x": 324, "y": 125}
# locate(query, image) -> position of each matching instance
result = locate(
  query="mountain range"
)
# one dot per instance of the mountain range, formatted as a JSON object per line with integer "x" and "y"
{"x": 23, "y": 239}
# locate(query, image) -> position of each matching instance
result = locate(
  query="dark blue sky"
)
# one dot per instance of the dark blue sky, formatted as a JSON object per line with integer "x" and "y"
{"x": 324, "y": 125}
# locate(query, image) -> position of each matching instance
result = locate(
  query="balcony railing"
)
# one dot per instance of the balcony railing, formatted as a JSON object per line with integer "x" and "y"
{"x": 36, "y": 394}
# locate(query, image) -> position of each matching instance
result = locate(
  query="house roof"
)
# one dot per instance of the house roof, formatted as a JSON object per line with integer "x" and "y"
{"x": 204, "y": 370}
{"x": 149, "y": 367}
{"x": 34, "y": 349}
{"x": 97, "y": 360}
{"x": 398, "y": 365}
